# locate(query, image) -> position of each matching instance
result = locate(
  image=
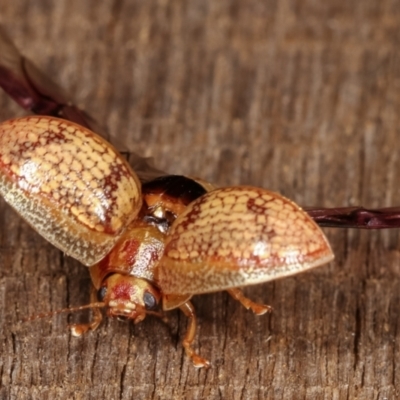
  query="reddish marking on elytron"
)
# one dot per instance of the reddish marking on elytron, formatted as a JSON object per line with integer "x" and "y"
{"x": 122, "y": 291}
{"x": 256, "y": 208}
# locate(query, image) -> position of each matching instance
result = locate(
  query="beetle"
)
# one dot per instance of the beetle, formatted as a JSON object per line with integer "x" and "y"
{"x": 151, "y": 244}
{"x": 151, "y": 240}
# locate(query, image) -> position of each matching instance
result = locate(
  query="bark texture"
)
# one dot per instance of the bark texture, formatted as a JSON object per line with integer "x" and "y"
{"x": 300, "y": 97}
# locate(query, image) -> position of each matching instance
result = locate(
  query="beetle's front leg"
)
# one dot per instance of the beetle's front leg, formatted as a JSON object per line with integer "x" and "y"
{"x": 79, "y": 329}
{"x": 258, "y": 309}
{"x": 199, "y": 362}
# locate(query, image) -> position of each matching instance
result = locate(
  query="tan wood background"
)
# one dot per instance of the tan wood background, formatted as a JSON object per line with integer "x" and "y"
{"x": 298, "y": 96}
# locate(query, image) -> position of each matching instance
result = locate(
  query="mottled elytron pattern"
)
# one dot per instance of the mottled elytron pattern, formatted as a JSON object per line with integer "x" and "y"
{"x": 236, "y": 237}
{"x": 71, "y": 185}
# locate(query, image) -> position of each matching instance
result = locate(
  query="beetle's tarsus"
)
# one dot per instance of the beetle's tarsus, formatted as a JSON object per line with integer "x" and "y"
{"x": 198, "y": 361}
{"x": 78, "y": 330}
{"x": 257, "y": 308}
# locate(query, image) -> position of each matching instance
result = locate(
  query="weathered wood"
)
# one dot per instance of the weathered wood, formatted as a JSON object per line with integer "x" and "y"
{"x": 298, "y": 97}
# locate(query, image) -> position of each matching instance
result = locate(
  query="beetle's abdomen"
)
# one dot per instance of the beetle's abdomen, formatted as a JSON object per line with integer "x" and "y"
{"x": 68, "y": 183}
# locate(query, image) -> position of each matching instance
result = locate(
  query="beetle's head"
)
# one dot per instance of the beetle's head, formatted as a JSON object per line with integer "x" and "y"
{"x": 127, "y": 297}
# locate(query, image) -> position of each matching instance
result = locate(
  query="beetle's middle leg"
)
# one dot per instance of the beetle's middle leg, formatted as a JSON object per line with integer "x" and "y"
{"x": 257, "y": 308}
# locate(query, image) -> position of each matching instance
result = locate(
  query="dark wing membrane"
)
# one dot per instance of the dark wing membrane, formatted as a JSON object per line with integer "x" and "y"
{"x": 30, "y": 88}
{"x": 35, "y": 91}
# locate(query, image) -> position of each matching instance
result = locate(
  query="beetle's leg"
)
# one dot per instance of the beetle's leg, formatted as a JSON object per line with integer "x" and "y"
{"x": 199, "y": 362}
{"x": 79, "y": 329}
{"x": 257, "y": 308}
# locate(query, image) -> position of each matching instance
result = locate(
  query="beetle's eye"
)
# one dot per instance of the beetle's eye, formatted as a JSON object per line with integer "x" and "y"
{"x": 149, "y": 301}
{"x": 101, "y": 293}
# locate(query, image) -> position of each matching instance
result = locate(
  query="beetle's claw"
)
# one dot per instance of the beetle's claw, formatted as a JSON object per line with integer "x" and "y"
{"x": 199, "y": 362}
{"x": 257, "y": 308}
{"x": 260, "y": 309}
{"x": 77, "y": 330}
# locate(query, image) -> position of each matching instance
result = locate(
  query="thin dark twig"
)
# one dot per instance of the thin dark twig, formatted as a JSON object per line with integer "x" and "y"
{"x": 356, "y": 217}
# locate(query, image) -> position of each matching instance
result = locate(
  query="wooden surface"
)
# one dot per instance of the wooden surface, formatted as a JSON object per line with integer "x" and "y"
{"x": 300, "y": 97}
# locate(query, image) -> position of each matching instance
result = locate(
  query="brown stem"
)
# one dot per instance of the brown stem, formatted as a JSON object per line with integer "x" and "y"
{"x": 355, "y": 217}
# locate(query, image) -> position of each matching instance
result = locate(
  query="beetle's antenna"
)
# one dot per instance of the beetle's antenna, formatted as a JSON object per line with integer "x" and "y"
{"x": 64, "y": 310}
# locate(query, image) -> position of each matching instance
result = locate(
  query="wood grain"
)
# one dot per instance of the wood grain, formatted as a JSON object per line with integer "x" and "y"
{"x": 299, "y": 97}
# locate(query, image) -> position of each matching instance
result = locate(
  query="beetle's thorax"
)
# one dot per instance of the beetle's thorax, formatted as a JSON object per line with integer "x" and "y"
{"x": 136, "y": 253}
{"x": 140, "y": 247}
